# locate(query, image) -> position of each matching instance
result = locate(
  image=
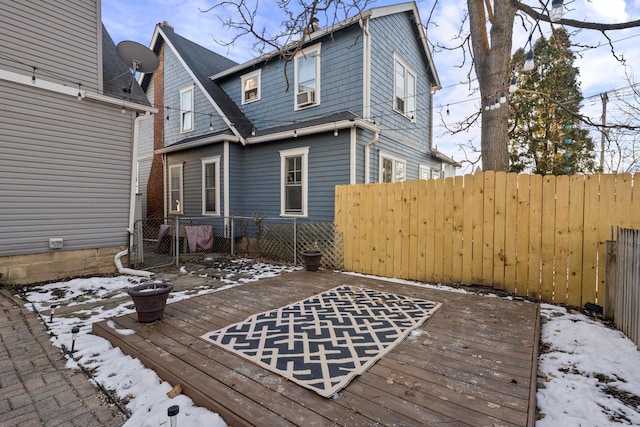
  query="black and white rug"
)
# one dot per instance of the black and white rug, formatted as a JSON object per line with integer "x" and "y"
{"x": 322, "y": 342}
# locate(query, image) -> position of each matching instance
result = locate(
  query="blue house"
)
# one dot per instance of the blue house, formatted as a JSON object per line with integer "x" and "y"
{"x": 275, "y": 137}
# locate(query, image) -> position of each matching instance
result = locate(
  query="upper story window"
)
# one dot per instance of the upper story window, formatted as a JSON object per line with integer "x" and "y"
{"x": 392, "y": 168}
{"x": 175, "y": 189}
{"x": 293, "y": 190}
{"x": 186, "y": 109}
{"x": 404, "y": 89}
{"x": 251, "y": 87}
{"x": 211, "y": 186}
{"x": 307, "y": 77}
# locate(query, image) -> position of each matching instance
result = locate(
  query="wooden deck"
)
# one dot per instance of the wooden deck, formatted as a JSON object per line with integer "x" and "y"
{"x": 474, "y": 363}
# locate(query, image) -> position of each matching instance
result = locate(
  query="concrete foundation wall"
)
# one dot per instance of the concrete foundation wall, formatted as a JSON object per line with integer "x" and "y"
{"x": 44, "y": 267}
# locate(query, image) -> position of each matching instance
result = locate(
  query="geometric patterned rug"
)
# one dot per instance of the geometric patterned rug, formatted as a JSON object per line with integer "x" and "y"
{"x": 322, "y": 342}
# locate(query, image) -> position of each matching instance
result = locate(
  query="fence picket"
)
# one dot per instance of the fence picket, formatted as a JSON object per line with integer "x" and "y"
{"x": 458, "y": 227}
{"x": 467, "y": 229}
{"x": 536, "y": 236}
{"x": 499, "y": 229}
{"x": 511, "y": 232}
{"x": 576, "y": 228}
{"x": 561, "y": 261}
{"x": 522, "y": 230}
{"x": 488, "y": 225}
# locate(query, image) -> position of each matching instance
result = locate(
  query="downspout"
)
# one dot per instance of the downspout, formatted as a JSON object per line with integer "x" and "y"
{"x": 367, "y": 156}
{"x": 225, "y": 186}
{"x": 132, "y": 202}
{"x": 366, "y": 94}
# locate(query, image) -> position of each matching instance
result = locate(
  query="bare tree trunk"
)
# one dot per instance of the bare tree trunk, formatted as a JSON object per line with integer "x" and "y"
{"x": 491, "y": 55}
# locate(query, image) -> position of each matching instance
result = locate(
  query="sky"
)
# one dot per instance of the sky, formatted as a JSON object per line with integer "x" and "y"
{"x": 581, "y": 381}
{"x": 599, "y": 71}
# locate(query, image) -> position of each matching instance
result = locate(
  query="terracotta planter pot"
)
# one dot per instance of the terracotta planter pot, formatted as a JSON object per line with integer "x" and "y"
{"x": 311, "y": 259}
{"x": 150, "y": 300}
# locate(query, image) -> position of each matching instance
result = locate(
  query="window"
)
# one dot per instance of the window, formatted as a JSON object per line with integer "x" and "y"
{"x": 175, "y": 189}
{"x": 211, "y": 186}
{"x": 424, "y": 172}
{"x": 251, "y": 87}
{"x": 404, "y": 89}
{"x": 307, "y": 77}
{"x": 186, "y": 109}
{"x": 293, "y": 193}
{"x": 392, "y": 168}
{"x": 429, "y": 173}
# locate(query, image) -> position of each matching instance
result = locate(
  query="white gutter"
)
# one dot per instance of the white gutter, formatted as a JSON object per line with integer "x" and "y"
{"x": 310, "y": 130}
{"x": 366, "y": 68}
{"x": 134, "y": 165}
{"x": 367, "y": 156}
{"x": 132, "y": 202}
{"x": 129, "y": 271}
{"x": 197, "y": 143}
{"x": 225, "y": 178}
{"x": 71, "y": 91}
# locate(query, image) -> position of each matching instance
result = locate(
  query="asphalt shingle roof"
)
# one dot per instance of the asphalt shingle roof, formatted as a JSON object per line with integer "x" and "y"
{"x": 204, "y": 63}
{"x": 116, "y": 75}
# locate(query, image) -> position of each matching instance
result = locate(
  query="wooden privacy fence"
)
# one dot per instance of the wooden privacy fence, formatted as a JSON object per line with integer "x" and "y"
{"x": 537, "y": 236}
{"x": 627, "y": 284}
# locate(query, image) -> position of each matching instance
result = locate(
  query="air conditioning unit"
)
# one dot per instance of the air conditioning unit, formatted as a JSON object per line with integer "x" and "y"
{"x": 306, "y": 98}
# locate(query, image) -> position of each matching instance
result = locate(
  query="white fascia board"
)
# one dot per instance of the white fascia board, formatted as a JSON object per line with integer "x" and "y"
{"x": 72, "y": 91}
{"x": 308, "y": 40}
{"x": 311, "y": 130}
{"x": 197, "y": 143}
{"x": 411, "y": 7}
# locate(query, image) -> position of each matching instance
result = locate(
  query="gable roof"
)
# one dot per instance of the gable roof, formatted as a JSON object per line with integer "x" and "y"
{"x": 200, "y": 62}
{"x": 372, "y": 13}
{"x": 116, "y": 75}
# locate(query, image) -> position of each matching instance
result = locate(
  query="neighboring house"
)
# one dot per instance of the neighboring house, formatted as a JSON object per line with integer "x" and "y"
{"x": 67, "y": 132}
{"x": 275, "y": 138}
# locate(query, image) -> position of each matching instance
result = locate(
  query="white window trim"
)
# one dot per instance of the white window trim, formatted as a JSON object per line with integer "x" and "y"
{"x": 395, "y": 159}
{"x": 190, "y": 108}
{"x": 284, "y": 154}
{"x": 408, "y": 69}
{"x": 422, "y": 170}
{"x": 257, "y": 74}
{"x": 171, "y": 189}
{"x": 215, "y": 160}
{"x": 315, "y": 48}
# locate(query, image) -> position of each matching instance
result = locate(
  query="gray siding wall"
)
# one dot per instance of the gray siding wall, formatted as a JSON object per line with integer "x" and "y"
{"x": 192, "y": 176}
{"x": 35, "y": 33}
{"x": 177, "y": 78}
{"x": 65, "y": 171}
{"x": 396, "y": 34}
{"x": 340, "y": 84}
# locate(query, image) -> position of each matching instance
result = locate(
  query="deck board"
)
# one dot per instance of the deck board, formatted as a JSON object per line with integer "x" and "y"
{"x": 472, "y": 364}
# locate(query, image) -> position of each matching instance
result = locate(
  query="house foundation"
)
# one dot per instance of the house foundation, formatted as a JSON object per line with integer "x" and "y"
{"x": 44, "y": 267}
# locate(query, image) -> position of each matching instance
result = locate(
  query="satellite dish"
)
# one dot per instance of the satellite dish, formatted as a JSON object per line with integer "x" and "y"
{"x": 138, "y": 58}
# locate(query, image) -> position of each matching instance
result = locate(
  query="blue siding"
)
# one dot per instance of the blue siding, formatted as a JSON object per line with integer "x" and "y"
{"x": 260, "y": 170}
{"x": 396, "y": 34}
{"x": 177, "y": 78}
{"x": 254, "y": 170}
{"x": 340, "y": 84}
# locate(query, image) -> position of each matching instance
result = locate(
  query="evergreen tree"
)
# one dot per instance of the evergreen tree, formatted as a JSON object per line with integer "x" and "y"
{"x": 543, "y": 134}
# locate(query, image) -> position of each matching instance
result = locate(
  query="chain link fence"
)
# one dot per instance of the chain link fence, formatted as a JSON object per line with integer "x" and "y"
{"x": 172, "y": 241}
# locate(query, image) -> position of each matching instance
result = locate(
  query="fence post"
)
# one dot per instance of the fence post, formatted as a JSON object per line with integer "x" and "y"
{"x": 177, "y": 244}
{"x": 232, "y": 236}
{"x": 610, "y": 280}
{"x": 295, "y": 242}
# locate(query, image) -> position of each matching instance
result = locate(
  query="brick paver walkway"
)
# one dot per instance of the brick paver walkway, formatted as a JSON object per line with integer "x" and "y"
{"x": 35, "y": 387}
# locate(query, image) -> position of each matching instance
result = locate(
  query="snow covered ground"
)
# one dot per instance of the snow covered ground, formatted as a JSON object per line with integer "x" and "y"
{"x": 588, "y": 375}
